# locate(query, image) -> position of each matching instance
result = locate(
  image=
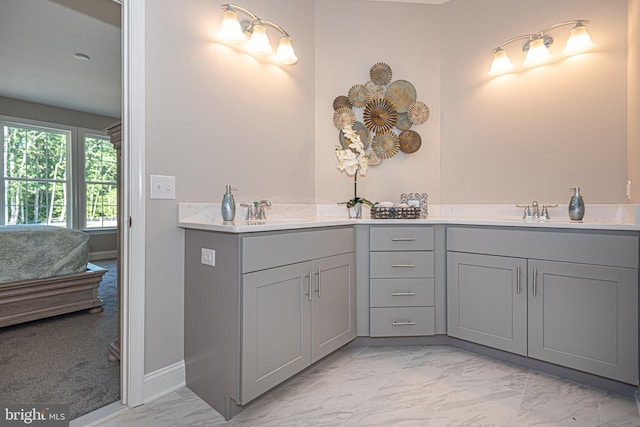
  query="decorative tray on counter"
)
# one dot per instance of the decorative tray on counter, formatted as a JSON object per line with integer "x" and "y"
{"x": 380, "y": 212}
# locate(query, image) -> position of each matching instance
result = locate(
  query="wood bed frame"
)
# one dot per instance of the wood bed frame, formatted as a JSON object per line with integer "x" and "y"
{"x": 39, "y": 298}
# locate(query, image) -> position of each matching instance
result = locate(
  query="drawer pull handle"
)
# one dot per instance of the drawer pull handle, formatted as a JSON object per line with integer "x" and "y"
{"x": 535, "y": 282}
{"x": 405, "y": 323}
{"x": 317, "y": 273}
{"x": 403, "y": 265}
{"x": 403, "y": 294}
{"x": 403, "y": 239}
{"x": 518, "y": 286}
{"x": 308, "y": 293}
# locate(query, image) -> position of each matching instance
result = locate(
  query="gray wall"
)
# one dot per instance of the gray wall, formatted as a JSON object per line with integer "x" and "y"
{"x": 532, "y": 135}
{"x": 217, "y": 116}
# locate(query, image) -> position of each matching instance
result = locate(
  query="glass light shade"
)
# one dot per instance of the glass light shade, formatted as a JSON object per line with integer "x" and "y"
{"x": 230, "y": 29}
{"x": 285, "y": 54}
{"x": 537, "y": 53}
{"x": 259, "y": 42}
{"x": 579, "y": 41}
{"x": 501, "y": 63}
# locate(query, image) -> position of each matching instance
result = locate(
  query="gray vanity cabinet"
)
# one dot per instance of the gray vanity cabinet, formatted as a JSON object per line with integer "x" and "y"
{"x": 585, "y": 317}
{"x": 293, "y": 316}
{"x": 566, "y": 298}
{"x": 276, "y": 326}
{"x": 274, "y": 303}
{"x": 487, "y": 298}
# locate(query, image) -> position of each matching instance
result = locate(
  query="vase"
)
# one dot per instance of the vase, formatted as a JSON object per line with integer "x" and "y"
{"x": 355, "y": 211}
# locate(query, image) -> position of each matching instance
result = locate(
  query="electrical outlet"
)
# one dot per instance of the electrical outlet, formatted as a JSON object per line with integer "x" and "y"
{"x": 208, "y": 257}
{"x": 163, "y": 187}
{"x": 628, "y": 190}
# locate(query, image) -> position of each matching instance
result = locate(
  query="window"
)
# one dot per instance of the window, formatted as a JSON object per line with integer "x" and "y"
{"x": 101, "y": 191}
{"x": 57, "y": 175}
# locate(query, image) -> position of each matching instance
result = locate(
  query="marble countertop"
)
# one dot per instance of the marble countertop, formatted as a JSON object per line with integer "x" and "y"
{"x": 206, "y": 216}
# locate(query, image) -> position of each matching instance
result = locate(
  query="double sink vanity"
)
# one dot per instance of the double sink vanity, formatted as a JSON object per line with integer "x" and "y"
{"x": 283, "y": 293}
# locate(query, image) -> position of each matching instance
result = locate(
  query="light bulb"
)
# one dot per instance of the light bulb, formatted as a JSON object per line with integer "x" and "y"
{"x": 501, "y": 63}
{"x": 285, "y": 54}
{"x": 579, "y": 41}
{"x": 537, "y": 53}
{"x": 259, "y": 42}
{"x": 230, "y": 30}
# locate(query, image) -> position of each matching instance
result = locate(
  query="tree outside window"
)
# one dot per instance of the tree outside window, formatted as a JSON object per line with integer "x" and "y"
{"x": 56, "y": 177}
{"x": 35, "y": 171}
{"x": 101, "y": 190}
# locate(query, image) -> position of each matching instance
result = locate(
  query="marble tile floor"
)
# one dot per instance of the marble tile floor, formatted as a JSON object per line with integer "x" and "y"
{"x": 404, "y": 386}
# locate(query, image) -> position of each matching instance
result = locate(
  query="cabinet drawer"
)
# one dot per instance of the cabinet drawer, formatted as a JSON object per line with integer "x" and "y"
{"x": 399, "y": 238}
{"x": 401, "y": 264}
{"x": 262, "y": 251}
{"x": 402, "y": 322}
{"x": 401, "y": 292}
{"x": 615, "y": 250}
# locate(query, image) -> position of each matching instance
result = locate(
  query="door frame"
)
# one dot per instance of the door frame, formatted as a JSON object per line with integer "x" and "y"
{"x": 133, "y": 210}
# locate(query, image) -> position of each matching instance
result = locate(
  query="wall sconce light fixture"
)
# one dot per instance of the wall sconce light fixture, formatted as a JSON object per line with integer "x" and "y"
{"x": 253, "y": 34}
{"x": 536, "y": 47}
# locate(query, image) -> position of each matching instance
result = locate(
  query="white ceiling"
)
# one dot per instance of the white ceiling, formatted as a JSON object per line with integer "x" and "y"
{"x": 38, "y": 39}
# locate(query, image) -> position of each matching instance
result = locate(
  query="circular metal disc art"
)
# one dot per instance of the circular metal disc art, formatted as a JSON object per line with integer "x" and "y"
{"x": 380, "y": 73}
{"x": 409, "y": 141}
{"x": 379, "y": 115}
{"x": 362, "y": 132}
{"x": 401, "y": 94}
{"x": 341, "y": 101}
{"x": 343, "y": 116}
{"x": 403, "y": 122}
{"x": 376, "y": 91}
{"x": 386, "y": 144}
{"x": 359, "y": 95}
{"x": 418, "y": 113}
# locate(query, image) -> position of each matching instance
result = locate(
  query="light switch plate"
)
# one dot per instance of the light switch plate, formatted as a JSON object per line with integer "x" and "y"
{"x": 208, "y": 257}
{"x": 163, "y": 187}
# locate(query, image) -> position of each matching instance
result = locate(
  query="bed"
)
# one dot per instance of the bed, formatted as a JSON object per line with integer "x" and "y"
{"x": 44, "y": 271}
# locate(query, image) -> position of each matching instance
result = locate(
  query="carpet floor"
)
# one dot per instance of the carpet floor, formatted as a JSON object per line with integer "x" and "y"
{"x": 63, "y": 359}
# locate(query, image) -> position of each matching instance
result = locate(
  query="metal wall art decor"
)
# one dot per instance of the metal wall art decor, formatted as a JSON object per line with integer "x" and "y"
{"x": 383, "y": 112}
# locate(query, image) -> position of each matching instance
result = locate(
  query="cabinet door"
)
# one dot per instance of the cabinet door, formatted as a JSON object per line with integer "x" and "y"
{"x": 585, "y": 317}
{"x": 275, "y": 327}
{"x": 487, "y": 300}
{"x": 333, "y": 306}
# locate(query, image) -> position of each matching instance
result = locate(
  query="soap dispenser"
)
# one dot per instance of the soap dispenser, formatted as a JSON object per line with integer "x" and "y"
{"x": 576, "y": 205}
{"x": 228, "y": 207}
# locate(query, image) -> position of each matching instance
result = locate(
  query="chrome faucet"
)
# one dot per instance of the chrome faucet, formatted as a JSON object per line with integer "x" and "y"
{"x": 250, "y": 212}
{"x": 259, "y": 208}
{"x": 534, "y": 213}
{"x": 255, "y": 210}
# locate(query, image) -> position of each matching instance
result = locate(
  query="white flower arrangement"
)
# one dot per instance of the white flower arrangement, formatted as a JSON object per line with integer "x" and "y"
{"x": 353, "y": 160}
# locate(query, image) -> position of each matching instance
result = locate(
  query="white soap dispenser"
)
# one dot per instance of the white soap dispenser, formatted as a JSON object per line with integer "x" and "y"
{"x": 228, "y": 207}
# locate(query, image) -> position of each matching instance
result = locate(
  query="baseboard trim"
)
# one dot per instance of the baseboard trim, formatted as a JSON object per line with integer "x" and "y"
{"x": 164, "y": 381}
{"x": 99, "y": 416}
